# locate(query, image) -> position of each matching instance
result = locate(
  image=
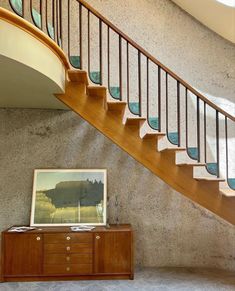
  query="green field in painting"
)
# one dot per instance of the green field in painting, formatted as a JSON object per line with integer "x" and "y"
{"x": 47, "y": 213}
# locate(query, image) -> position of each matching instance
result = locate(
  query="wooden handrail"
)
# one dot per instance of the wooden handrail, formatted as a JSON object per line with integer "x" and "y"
{"x": 154, "y": 60}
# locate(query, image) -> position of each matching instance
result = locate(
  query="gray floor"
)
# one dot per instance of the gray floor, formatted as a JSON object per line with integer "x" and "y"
{"x": 145, "y": 279}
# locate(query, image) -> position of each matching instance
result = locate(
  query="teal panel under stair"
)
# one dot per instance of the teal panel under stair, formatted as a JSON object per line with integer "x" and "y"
{"x": 212, "y": 168}
{"x": 18, "y": 6}
{"x": 37, "y": 18}
{"x": 134, "y": 107}
{"x": 115, "y": 92}
{"x": 231, "y": 183}
{"x": 95, "y": 77}
{"x": 154, "y": 122}
{"x": 59, "y": 42}
{"x": 173, "y": 137}
{"x": 75, "y": 61}
{"x": 51, "y": 31}
{"x": 193, "y": 153}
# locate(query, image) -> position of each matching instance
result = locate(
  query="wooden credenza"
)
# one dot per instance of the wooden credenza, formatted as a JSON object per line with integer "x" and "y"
{"x": 60, "y": 254}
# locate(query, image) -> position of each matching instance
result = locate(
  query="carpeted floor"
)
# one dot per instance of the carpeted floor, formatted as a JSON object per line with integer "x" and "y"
{"x": 148, "y": 279}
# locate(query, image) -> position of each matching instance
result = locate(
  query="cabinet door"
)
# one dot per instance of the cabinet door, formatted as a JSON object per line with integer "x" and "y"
{"x": 113, "y": 252}
{"x": 22, "y": 254}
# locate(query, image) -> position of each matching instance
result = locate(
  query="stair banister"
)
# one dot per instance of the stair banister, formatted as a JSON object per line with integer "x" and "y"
{"x": 154, "y": 60}
{"x": 199, "y": 96}
{"x": 140, "y": 49}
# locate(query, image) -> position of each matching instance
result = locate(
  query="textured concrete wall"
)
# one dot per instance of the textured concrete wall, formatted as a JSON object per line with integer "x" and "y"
{"x": 169, "y": 229}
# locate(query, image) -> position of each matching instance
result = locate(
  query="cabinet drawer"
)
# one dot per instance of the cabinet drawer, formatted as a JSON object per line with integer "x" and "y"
{"x": 51, "y": 259}
{"x": 68, "y": 237}
{"x": 72, "y": 269}
{"x": 81, "y": 248}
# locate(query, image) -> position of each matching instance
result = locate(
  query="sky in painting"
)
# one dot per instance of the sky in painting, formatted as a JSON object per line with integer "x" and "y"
{"x": 48, "y": 180}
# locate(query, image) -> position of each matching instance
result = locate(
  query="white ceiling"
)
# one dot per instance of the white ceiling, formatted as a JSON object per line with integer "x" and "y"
{"x": 227, "y": 2}
{"x": 218, "y": 15}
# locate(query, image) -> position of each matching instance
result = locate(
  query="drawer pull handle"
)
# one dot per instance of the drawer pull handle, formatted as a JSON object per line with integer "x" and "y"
{"x": 97, "y": 237}
{"x": 38, "y": 238}
{"x": 68, "y": 237}
{"x": 68, "y": 248}
{"x": 68, "y": 258}
{"x": 68, "y": 269}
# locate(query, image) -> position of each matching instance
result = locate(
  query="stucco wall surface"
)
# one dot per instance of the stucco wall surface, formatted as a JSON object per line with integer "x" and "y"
{"x": 169, "y": 229}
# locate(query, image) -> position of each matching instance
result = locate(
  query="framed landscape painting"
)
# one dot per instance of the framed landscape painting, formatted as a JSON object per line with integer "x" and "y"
{"x": 69, "y": 197}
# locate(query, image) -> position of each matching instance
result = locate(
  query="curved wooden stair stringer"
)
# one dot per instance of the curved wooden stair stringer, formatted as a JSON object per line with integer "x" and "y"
{"x": 83, "y": 100}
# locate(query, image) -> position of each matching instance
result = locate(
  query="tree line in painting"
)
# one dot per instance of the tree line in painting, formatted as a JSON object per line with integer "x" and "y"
{"x": 70, "y": 202}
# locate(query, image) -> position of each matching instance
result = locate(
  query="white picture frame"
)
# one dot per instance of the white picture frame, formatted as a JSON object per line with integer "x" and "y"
{"x": 68, "y": 197}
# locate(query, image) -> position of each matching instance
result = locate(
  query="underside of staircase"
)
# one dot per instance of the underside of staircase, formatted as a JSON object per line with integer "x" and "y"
{"x": 177, "y": 156}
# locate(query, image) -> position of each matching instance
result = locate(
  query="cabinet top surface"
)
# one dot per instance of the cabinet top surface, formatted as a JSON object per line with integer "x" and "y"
{"x": 58, "y": 229}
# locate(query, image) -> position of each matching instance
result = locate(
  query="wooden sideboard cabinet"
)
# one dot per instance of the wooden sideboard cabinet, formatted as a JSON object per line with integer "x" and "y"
{"x": 59, "y": 254}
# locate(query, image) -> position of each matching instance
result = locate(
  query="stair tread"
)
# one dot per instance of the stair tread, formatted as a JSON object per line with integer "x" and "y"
{"x": 117, "y": 102}
{"x": 191, "y": 164}
{"x": 153, "y": 134}
{"x": 228, "y": 192}
{"x": 96, "y": 91}
{"x": 212, "y": 179}
{"x": 78, "y": 76}
{"x": 116, "y": 105}
{"x": 134, "y": 120}
{"x": 173, "y": 149}
{"x": 94, "y": 87}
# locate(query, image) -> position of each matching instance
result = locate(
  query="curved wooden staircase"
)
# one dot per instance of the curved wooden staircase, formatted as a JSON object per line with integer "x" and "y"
{"x": 93, "y": 105}
{"x": 148, "y": 139}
